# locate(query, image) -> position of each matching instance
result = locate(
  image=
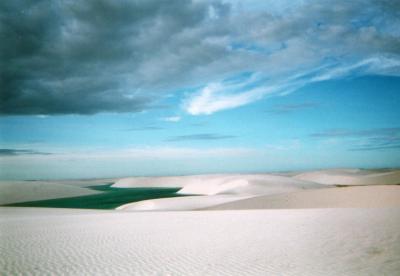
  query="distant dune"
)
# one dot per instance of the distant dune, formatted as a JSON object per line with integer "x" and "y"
{"x": 356, "y": 197}
{"x": 246, "y": 184}
{"x": 21, "y": 191}
{"x": 264, "y": 191}
{"x": 212, "y": 189}
{"x": 351, "y": 177}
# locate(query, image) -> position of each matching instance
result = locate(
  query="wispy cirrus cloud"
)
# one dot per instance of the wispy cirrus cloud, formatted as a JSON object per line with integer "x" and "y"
{"x": 365, "y": 139}
{"x": 288, "y": 108}
{"x": 140, "y": 153}
{"x": 200, "y": 136}
{"x": 381, "y": 145}
{"x": 219, "y": 96}
{"x": 18, "y": 152}
{"x": 227, "y": 95}
{"x": 378, "y": 65}
{"x": 342, "y": 132}
{"x": 145, "y": 128}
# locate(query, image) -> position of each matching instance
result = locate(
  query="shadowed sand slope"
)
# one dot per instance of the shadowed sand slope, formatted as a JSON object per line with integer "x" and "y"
{"x": 358, "y": 196}
{"x": 253, "y": 242}
{"x": 21, "y": 191}
{"x": 351, "y": 177}
{"x": 179, "y": 204}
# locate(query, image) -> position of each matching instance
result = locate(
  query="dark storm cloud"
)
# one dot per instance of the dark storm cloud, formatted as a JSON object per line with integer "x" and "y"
{"x": 15, "y": 152}
{"x": 85, "y": 57}
{"x": 201, "y": 136}
{"x": 61, "y": 57}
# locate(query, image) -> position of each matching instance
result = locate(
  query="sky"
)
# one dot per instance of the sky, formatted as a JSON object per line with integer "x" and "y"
{"x": 96, "y": 88}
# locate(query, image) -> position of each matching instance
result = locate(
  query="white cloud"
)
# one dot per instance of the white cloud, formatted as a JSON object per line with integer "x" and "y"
{"x": 313, "y": 42}
{"x": 216, "y": 97}
{"x": 227, "y": 95}
{"x": 219, "y": 96}
{"x": 379, "y": 65}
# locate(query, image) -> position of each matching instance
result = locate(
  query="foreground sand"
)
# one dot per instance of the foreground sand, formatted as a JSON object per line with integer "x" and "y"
{"x": 255, "y": 242}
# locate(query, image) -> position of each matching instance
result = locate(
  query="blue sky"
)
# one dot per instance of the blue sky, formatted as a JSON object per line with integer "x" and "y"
{"x": 231, "y": 87}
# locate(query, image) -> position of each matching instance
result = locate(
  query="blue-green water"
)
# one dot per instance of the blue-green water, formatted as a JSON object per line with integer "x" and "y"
{"x": 109, "y": 199}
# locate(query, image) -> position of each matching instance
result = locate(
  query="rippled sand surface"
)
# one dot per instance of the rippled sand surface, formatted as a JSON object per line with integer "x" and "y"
{"x": 38, "y": 241}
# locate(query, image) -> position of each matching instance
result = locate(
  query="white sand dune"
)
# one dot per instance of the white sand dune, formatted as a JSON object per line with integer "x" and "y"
{"x": 215, "y": 189}
{"x": 253, "y": 242}
{"x": 179, "y": 203}
{"x": 20, "y": 191}
{"x": 251, "y": 184}
{"x": 214, "y": 184}
{"x": 357, "y": 196}
{"x": 287, "y": 188}
{"x": 238, "y": 183}
{"x": 351, "y": 177}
